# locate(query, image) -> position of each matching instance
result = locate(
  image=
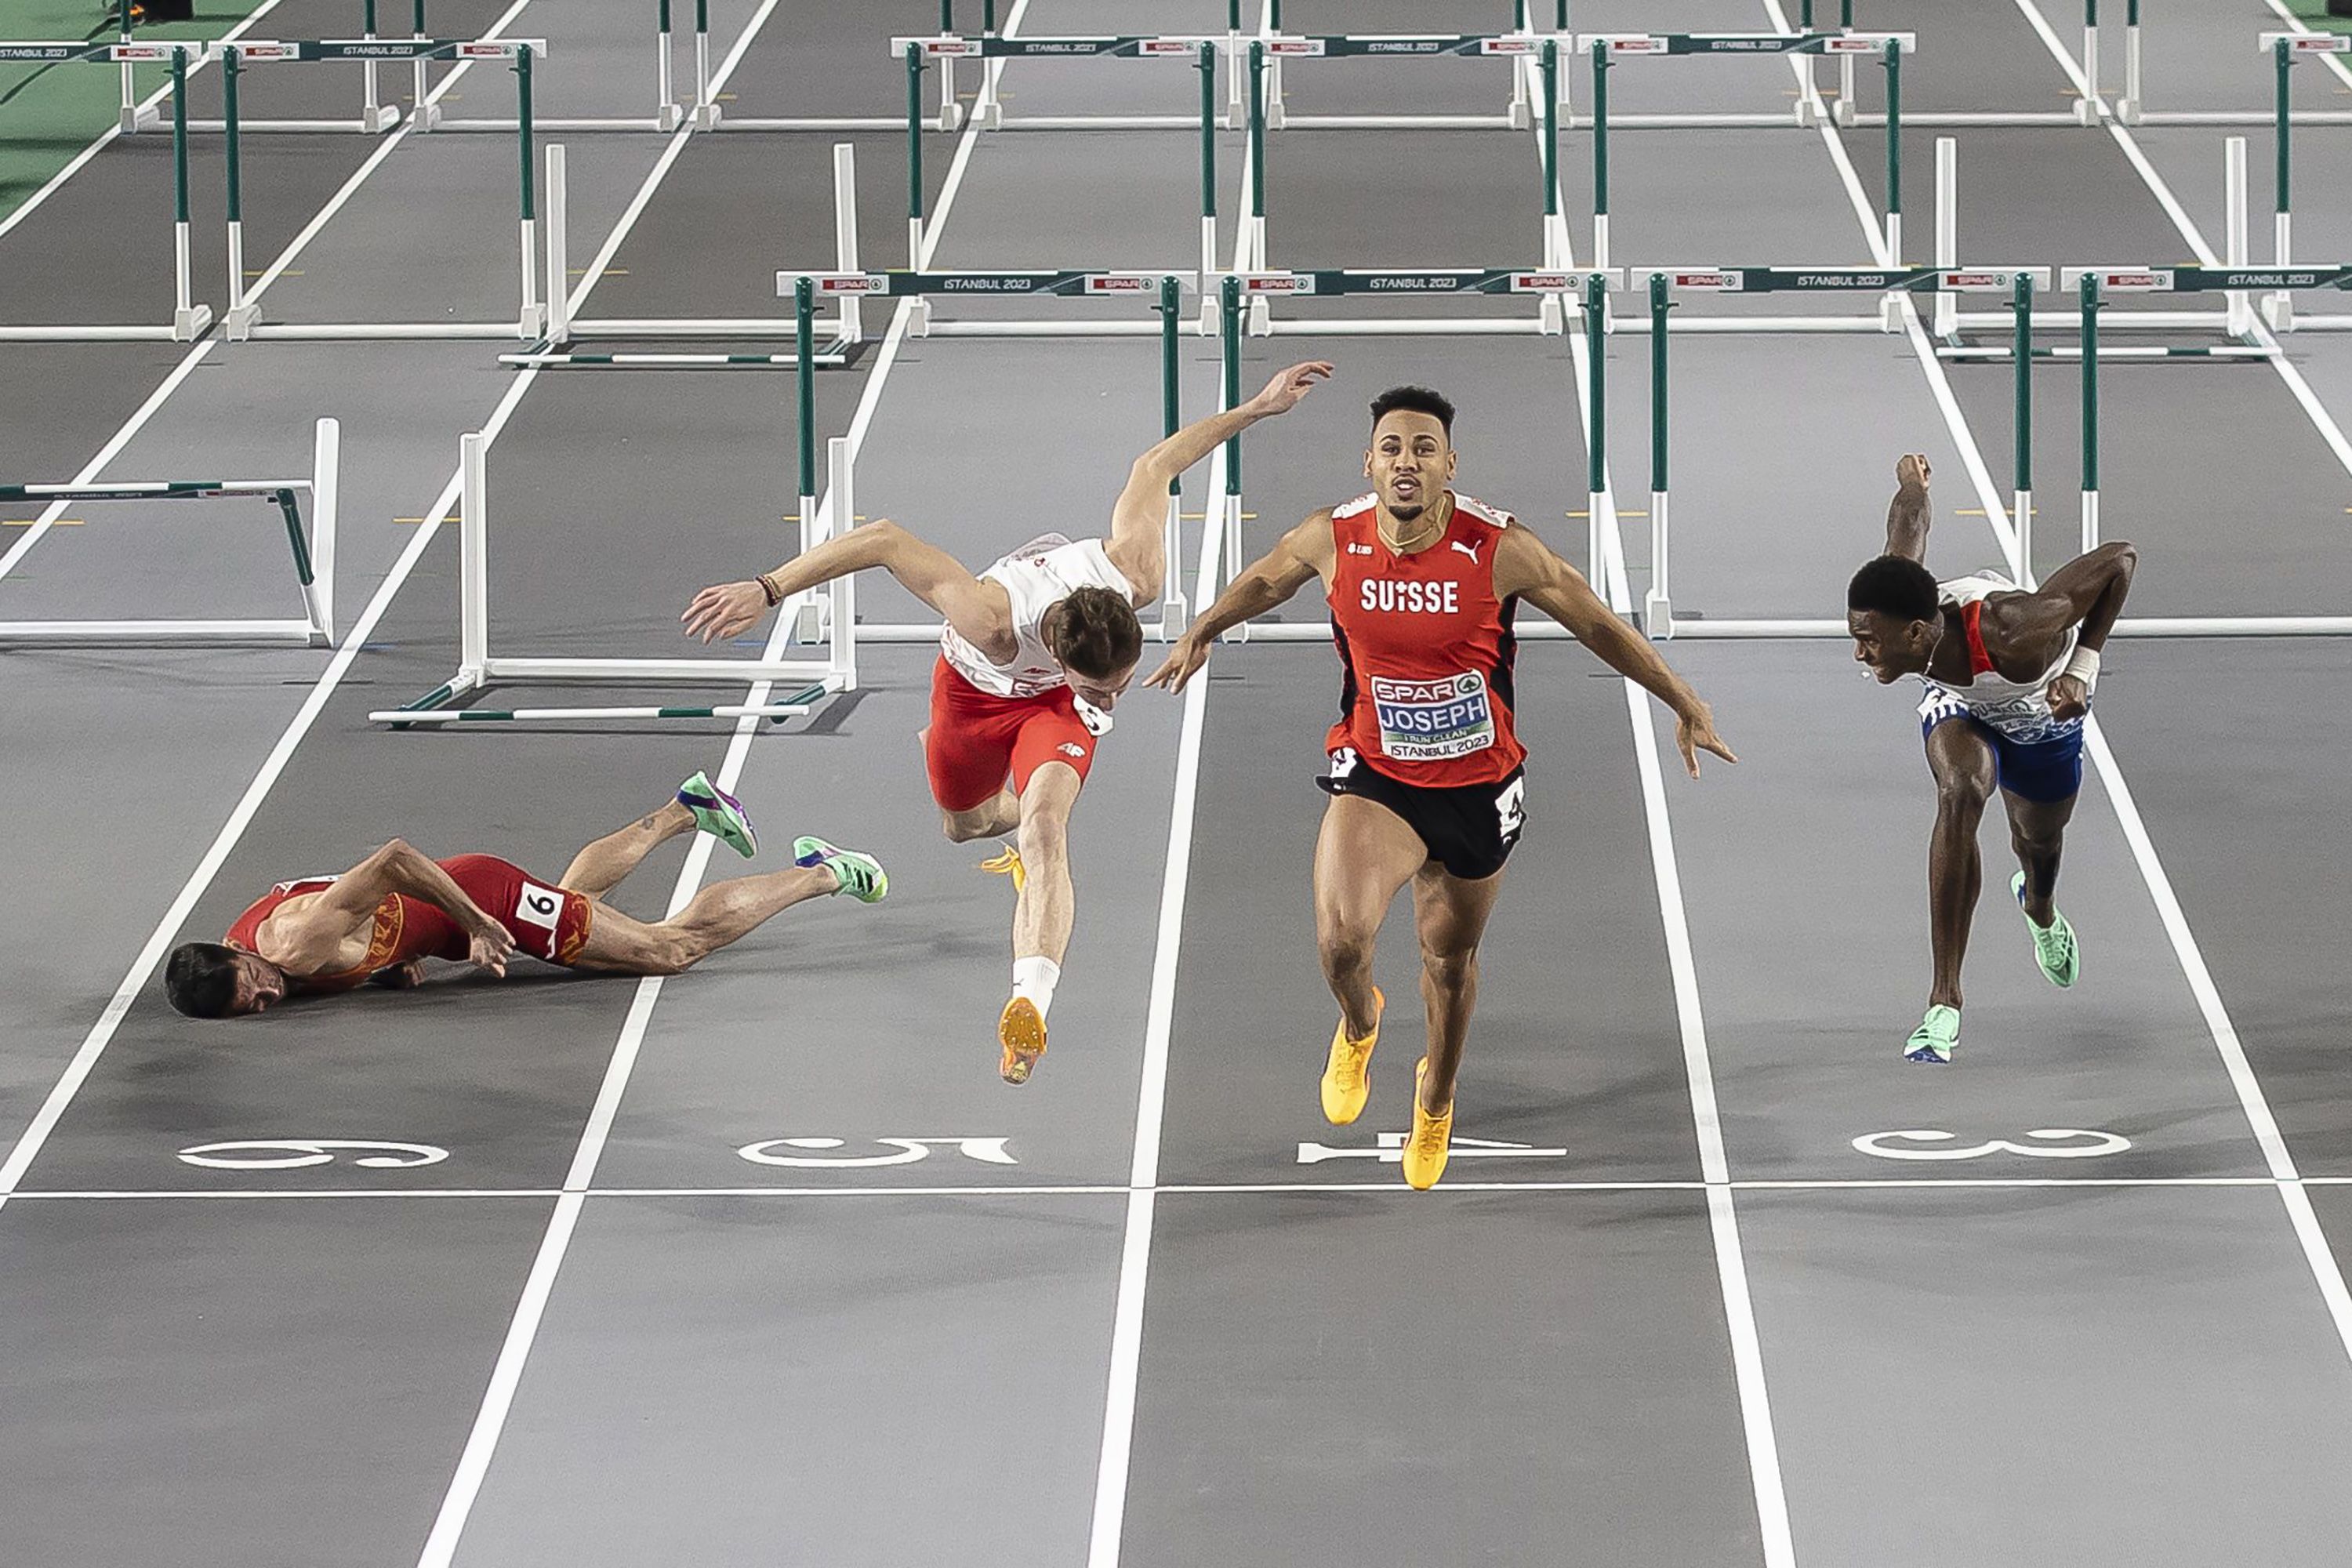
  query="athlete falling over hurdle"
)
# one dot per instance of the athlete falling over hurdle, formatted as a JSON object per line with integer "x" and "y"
{"x": 2010, "y": 676}
{"x": 1427, "y": 781}
{"x": 380, "y": 920}
{"x": 1035, "y": 652}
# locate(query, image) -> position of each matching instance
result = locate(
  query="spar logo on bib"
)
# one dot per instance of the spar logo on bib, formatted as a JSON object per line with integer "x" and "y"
{"x": 1431, "y": 720}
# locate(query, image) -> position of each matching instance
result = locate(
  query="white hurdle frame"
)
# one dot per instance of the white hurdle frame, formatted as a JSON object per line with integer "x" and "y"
{"x": 2133, "y": 109}
{"x": 848, "y": 327}
{"x": 479, "y": 670}
{"x": 316, "y": 553}
{"x": 668, "y": 114}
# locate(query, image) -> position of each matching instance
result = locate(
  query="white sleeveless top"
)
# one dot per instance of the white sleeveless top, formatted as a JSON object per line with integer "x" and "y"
{"x": 1037, "y": 577}
{"x": 2018, "y": 709}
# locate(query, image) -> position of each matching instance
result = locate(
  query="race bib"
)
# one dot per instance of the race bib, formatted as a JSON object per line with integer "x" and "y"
{"x": 537, "y": 906}
{"x": 1431, "y": 720}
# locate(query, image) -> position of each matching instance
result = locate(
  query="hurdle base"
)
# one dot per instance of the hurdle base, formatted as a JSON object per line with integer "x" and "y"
{"x": 668, "y": 117}
{"x": 136, "y": 117}
{"x": 239, "y": 324}
{"x": 707, "y": 116}
{"x": 951, "y": 117}
{"x": 1522, "y": 116}
{"x": 2278, "y": 309}
{"x": 1658, "y": 616}
{"x": 426, "y": 116}
{"x": 532, "y": 324}
{"x": 187, "y": 325}
{"x": 2086, "y": 112}
{"x": 2128, "y": 111}
{"x": 989, "y": 116}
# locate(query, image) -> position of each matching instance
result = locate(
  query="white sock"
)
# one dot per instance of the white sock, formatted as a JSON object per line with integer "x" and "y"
{"x": 1036, "y": 979}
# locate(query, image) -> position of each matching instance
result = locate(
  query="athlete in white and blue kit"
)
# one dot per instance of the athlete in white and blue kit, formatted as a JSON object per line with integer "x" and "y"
{"x": 2009, "y": 675}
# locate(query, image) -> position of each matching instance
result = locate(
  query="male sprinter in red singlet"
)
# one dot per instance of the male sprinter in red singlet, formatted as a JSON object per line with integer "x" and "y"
{"x": 1426, "y": 781}
{"x": 384, "y": 918}
{"x": 2010, "y": 676}
{"x": 1035, "y": 652}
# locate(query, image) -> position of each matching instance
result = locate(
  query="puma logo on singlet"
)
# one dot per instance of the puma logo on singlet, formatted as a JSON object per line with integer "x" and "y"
{"x": 1469, "y": 550}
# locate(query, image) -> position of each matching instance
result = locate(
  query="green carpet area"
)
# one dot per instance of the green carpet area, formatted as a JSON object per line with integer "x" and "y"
{"x": 2314, "y": 15}
{"x": 48, "y": 113}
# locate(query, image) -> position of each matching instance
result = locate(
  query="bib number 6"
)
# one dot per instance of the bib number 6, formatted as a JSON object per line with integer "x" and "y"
{"x": 1511, "y": 807}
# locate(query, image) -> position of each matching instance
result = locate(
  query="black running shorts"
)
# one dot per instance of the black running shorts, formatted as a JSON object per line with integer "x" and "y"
{"x": 1470, "y": 829}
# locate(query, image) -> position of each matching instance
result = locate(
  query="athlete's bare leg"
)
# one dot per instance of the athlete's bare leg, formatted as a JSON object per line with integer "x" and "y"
{"x": 599, "y": 868}
{"x": 718, "y": 916}
{"x": 2037, "y": 831}
{"x": 1962, "y": 762}
{"x": 1363, "y": 855}
{"x": 1450, "y": 914}
{"x": 1047, "y": 905}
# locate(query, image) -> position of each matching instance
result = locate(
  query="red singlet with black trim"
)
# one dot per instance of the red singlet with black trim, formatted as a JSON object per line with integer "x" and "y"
{"x": 1427, "y": 649}
{"x": 545, "y": 921}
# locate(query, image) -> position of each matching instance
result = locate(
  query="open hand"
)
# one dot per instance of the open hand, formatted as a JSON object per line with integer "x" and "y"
{"x": 2068, "y": 699}
{"x": 1911, "y": 471}
{"x": 1282, "y": 394}
{"x": 490, "y": 947}
{"x": 1184, "y": 660}
{"x": 723, "y": 609}
{"x": 1694, "y": 732}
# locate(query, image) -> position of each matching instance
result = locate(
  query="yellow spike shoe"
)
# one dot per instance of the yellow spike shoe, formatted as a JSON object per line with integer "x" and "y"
{"x": 1021, "y": 1031}
{"x": 1432, "y": 1138}
{"x": 1348, "y": 1074}
{"x": 1008, "y": 863}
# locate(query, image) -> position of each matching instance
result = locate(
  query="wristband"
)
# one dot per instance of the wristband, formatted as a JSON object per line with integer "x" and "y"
{"x": 2083, "y": 666}
{"x": 768, "y": 590}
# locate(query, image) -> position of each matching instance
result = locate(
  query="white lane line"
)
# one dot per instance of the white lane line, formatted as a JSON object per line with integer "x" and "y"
{"x": 102, "y": 1032}
{"x": 1723, "y": 1222}
{"x": 196, "y": 355}
{"x": 1189, "y": 1189}
{"x": 2322, "y": 420}
{"x": 1113, "y": 1467}
{"x": 2326, "y": 1272}
{"x": 152, "y": 100}
{"x": 473, "y": 1465}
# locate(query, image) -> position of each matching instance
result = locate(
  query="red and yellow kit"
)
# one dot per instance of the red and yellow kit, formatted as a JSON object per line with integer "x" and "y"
{"x": 545, "y": 921}
{"x": 1427, "y": 649}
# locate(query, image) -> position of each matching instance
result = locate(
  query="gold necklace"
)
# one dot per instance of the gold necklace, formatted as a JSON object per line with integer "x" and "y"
{"x": 1397, "y": 547}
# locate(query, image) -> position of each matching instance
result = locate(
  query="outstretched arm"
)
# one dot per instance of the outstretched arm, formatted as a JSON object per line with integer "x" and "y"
{"x": 1526, "y": 567}
{"x": 1138, "y": 545}
{"x": 311, "y": 937}
{"x": 981, "y": 615}
{"x": 1908, "y": 515}
{"x": 1298, "y": 558}
{"x": 2089, "y": 592}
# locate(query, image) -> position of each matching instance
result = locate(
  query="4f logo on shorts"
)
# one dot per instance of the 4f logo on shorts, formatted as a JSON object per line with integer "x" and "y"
{"x": 541, "y": 907}
{"x": 1071, "y": 749}
{"x": 1343, "y": 761}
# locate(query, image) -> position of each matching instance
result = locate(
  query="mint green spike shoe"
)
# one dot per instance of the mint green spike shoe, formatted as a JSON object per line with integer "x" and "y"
{"x": 719, "y": 814}
{"x": 2054, "y": 947}
{"x": 860, "y": 875}
{"x": 1937, "y": 1038}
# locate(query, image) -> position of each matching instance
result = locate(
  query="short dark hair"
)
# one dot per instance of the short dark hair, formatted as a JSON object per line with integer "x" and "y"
{"x": 201, "y": 979}
{"x": 1099, "y": 635}
{"x": 1417, "y": 400}
{"x": 1895, "y": 585}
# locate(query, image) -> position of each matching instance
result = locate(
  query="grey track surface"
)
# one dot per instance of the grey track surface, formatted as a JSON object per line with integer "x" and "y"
{"x": 751, "y": 1363}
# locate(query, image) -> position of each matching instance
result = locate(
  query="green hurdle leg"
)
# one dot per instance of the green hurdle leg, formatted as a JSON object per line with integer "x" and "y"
{"x": 2021, "y": 306}
{"x": 1658, "y": 609}
{"x": 914, "y": 156}
{"x": 1599, "y": 153}
{"x": 1596, "y": 419}
{"x": 2091, "y": 305}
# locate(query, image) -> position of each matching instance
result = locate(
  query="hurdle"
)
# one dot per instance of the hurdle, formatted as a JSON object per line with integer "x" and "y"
{"x": 1279, "y": 48}
{"x": 1164, "y": 292}
{"x": 374, "y": 115}
{"x": 815, "y": 681}
{"x": 2132, "y": 108}
{"x": 1235, "y": 289}
{"x": 189, "y": 319}
{"x": 668, "y": 113}
{"x": 2086, "y": 111}
{"x": 950, "y": 116}
{"x": 2091, "y": 286}
{"x": 1544, "y": 50}
{"x": 1606, "y": 49}
{"x": 314, "y": 553}
{"x": 2236, "y": 320}
{"x": 843, "y": 341}
{"x": 242, "y": 318}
